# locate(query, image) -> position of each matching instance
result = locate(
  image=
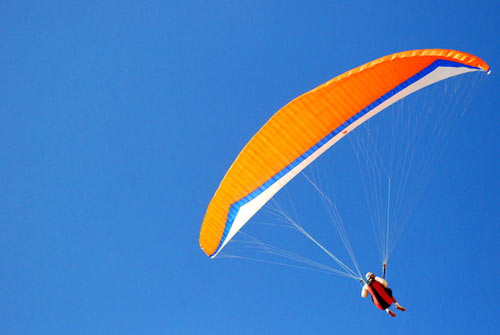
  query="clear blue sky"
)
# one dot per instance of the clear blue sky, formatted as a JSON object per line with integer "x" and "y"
{"x": 118, "y": 120}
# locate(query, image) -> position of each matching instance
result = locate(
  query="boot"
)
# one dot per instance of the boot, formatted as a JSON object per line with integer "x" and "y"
{"x": 401, "y": 308}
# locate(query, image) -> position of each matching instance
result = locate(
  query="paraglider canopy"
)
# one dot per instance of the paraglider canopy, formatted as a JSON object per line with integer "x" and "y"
{"x": 310, "y": 124}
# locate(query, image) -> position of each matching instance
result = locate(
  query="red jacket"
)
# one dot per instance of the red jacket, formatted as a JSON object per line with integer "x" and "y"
{"x": 381, "y": 296}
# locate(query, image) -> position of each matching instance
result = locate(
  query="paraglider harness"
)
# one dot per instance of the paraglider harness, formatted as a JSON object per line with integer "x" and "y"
{"x": 381, "y": 296}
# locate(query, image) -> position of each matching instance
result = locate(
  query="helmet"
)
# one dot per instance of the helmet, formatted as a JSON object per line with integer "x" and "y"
{"x": 369, "y": 275}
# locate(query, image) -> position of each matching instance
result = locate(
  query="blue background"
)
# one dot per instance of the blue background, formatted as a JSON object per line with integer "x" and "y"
{"x": 118, "y": 120}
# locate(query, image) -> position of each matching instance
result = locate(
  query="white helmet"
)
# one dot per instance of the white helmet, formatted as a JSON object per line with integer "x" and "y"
{"x": 369, "y": 275}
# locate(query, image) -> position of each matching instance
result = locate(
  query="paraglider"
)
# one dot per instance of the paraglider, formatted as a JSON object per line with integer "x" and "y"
{"x": 380, "y": 293}
{"x": 309, "y": 125}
